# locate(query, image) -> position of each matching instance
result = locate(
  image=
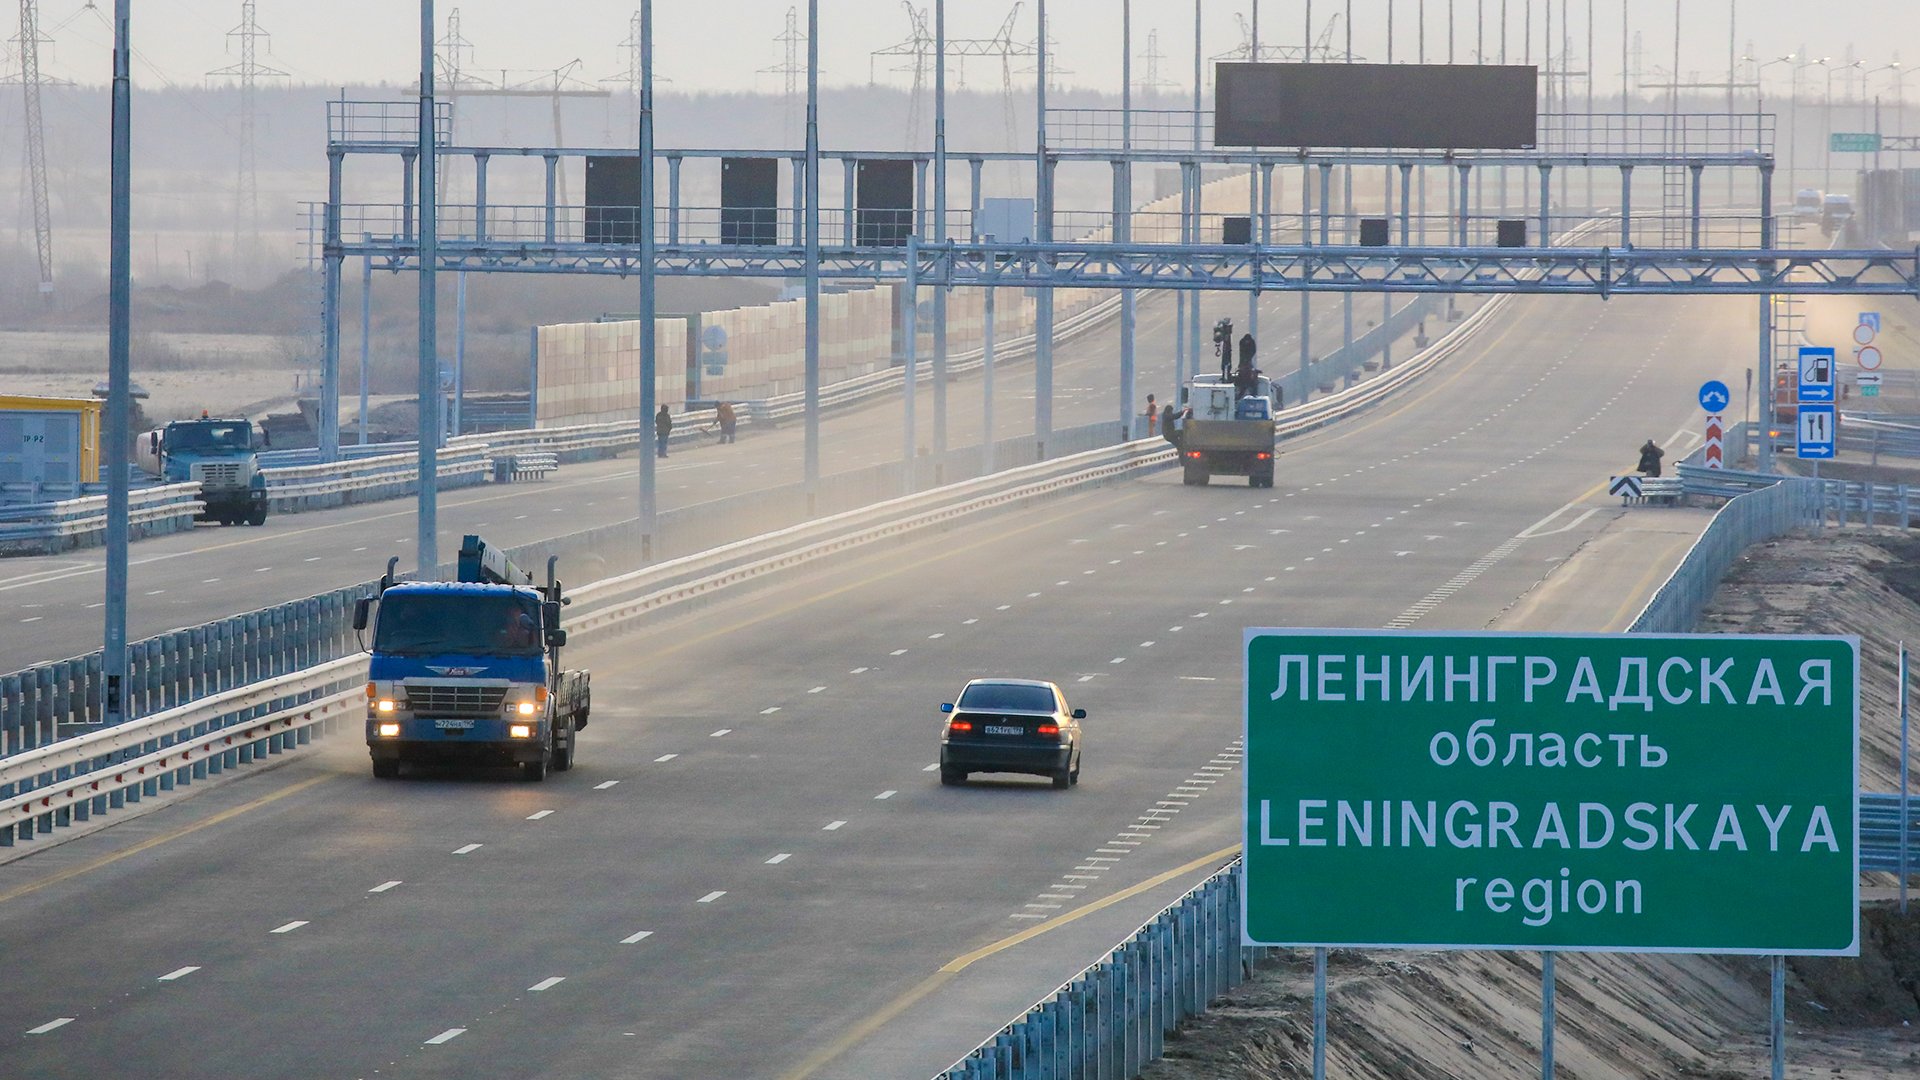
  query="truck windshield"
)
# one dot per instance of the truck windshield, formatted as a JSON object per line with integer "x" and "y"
{"x": 210, "y": 438}
{"x": 992, "y": 696}
{"x": 427, "y": 624}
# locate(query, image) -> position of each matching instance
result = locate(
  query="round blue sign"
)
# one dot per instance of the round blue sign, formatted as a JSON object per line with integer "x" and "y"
{"x": 1714, "y": 396}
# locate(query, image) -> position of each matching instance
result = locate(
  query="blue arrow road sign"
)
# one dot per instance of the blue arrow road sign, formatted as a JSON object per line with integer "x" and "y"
{"x": 1817, "y": 427}
{"x": 1714, "y": 396}
{"x": 1816, "y": 374}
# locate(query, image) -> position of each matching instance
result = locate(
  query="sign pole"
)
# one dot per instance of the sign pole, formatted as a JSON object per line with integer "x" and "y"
{"x": 1906, "y": 804}
{"x": 1546, "y": 1015}
{"x": 1777, "y": 1034}
{"x": 1319, "y": 1014}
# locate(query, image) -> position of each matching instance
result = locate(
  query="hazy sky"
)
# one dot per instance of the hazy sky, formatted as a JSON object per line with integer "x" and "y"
{"x": 724, "y": 44}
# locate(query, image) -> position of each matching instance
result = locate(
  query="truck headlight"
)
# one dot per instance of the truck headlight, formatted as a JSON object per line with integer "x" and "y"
{"x": 520, "y": 731}
{"x": 386, "y": 705}
{"x": 388, "y": 731}
{"x": 525, "y": 708}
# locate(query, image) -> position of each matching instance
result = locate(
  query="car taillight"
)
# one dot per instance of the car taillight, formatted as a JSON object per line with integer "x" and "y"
{"x": 960, "y": 725}
{"x": 1195, "y": 454}
{"x": 1263, "y": 456}
{"x": 1048, "y": 729}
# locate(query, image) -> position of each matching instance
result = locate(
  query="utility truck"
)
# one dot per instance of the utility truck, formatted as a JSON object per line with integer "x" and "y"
{"x": 469, "y": 672}
{"x": 1227, "y": 430}
{"x": 217, "y": 452}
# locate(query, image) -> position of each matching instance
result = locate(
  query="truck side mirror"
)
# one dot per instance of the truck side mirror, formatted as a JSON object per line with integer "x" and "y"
{"x": 361, "y": 608}
{"x": 550, "y": 614}
{"x": 556, "y": 639}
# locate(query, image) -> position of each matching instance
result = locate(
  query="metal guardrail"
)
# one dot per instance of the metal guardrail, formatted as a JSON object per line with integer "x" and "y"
{"x": 46, "y": 528}
{"x": 1109, "y": 1021}
{"x": 1886, "y": 840}
{"x": 1773, "y": 511}
{"x": 311, "y": 487}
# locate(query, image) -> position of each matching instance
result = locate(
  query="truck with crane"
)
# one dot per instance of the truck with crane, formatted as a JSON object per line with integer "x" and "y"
{"x": 1226, "y": 427}
{"x": 469, "y": 671}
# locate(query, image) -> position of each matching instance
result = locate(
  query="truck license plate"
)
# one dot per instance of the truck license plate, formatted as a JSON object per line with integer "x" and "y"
{"x": 1003, "y": 729}
{"x": 453, "y": 725}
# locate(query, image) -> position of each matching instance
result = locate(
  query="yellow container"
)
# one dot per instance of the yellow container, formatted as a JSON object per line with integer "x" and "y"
{"x": 90, "y": 410}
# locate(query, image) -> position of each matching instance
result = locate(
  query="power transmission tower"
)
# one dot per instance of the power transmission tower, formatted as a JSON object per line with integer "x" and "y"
{"x": 1152, "y": 83}
{"x": 791, "y": 69}
{"x": 246, "y": 210}
{"x": 919, "y": 50}
{"x": 30, "y": 82}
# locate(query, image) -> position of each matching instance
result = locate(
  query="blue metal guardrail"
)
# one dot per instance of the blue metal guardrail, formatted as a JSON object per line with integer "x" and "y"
{"x": 1746, "y": 520}
{"x": 1114, "y": 1017}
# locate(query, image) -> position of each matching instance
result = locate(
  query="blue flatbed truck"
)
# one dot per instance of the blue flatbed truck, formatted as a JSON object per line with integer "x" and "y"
{"x": 469, "y": 671}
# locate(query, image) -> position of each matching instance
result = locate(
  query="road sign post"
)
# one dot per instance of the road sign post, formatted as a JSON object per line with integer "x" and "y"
{"x": 1603, "y": 793}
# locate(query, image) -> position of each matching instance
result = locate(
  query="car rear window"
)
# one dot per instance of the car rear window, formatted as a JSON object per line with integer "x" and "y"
{"x": 1007, "y": 696}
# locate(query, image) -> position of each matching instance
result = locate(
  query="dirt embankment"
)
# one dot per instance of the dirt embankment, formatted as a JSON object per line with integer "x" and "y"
{"x": 1476, "y": 1016}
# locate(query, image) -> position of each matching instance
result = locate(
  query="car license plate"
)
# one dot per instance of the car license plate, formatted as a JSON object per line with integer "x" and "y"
{"x": 453, "y": 725}
{"x": 1004, "y": 729}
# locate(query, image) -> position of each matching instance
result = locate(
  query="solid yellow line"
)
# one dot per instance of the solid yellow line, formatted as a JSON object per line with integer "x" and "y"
{"x": 860, "y": 1032}
{"x": 219, "y": 818}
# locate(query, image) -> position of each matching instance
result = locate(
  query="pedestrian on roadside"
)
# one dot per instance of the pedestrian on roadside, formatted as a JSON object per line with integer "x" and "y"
{"x": 662, "y": 427}
{"x": 1167, "y": 431}
{"x": 724, "y": 414}
{"x": 1650, "y": 456}
{"x": 1153, "y": 416}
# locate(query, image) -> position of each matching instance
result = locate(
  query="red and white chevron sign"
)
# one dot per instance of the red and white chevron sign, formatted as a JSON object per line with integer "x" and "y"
{"x": 1716, "y": 438}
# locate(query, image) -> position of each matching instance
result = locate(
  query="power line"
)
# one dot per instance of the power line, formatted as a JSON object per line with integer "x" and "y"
{"x": 246, "y": 210}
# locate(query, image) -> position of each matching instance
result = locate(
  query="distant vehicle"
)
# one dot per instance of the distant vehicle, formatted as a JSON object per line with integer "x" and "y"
{"x": 1835, "y": 212}
{"x": 1013, "y": 726}
{"x": 1808, "y": 203}
{"x": 469, "y": 671}
{"x": 1227, "y": 429}
{"x": 218, "y": 452}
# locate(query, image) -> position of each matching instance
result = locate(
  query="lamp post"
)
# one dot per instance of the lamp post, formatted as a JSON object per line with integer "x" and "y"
{"x": 1866, "y": 115}
{"x": 1826, "y": 172}
{"x": 1793, "y": 145}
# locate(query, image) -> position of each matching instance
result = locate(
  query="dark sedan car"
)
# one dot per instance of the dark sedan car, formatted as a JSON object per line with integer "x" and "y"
{"x": 1011, "y": 725}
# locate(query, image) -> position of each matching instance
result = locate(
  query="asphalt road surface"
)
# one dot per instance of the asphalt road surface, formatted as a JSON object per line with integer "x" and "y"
{"x": 753, "y": 871}
{"x": 50, "y": 606}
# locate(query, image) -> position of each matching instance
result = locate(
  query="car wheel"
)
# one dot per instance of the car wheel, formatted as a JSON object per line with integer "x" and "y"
{"x": 1074, "y": 777}
{"x": 1062, "y": 780}
{"x": 953, "y": 777}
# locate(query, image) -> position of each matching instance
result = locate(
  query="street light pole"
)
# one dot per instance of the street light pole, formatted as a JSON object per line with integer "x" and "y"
{"x": 426, "y": 525}
{"x": 119, "y": 440}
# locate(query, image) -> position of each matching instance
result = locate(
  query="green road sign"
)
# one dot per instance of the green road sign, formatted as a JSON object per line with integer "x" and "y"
{"x": 1869, "y": 391}
{"x": 1607, "y": 793}
{"x": 1853, "y": 142}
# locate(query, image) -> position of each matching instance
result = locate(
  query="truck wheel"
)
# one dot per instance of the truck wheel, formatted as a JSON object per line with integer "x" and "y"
{"x": 563, "y": 758}
{"x": 258, "y": 516}
{"x": 1194, "y": 476}
{"x": 536, "y": 771}
{"x": 385, "y": 770}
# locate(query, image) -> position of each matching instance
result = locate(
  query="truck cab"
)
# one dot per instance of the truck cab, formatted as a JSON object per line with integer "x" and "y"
{"x": 1808, "y": 203}
{"x": 469, "y": 672}
{"x": 221, "y": 456}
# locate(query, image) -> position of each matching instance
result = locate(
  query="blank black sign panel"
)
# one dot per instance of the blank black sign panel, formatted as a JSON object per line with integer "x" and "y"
{"x": 749, "y": 200}
{"x": 883, "y": 196}
{"x": 613, "y": 200}
{"x": 1377, "y": 106}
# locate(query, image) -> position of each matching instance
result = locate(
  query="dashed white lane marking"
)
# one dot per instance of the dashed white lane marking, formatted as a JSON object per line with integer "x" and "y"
{"x": 446, "y": 1036}
{"x": 1086, "y": 678}
{"x": 178, "y": 973}
{"x": 50, "y": 1025}
{"x": 780, "y": 858}
{"x": 155, "y": 592}
{"x": 315, "y": 558}
{"x": 969, "y": 622}
{"x": 635, "y": 939}
{"x": 665, "y": 757}
{"x": 935, "y": 637}
{"x": 1027, "y": 915}
{"x": 467, "y": 850}
{"x": 898, "y": 652}
{"x": 858, "y": 671}
{"x": 816, "y": 690}
{"x": 1118, "y": 660}
{"x": 1146, "y": 644}
{"x": 931, "y": 768}
{"x": 604, "y": 785}
{"x": 538, "y": 814}
{"x": 261, "y": 569}
{"x": 887, "y": 794}
{"x": 35, "y": 618}
{"x": 546, "y": 984}
{"x": 1004, "y": 607}
{"x": 384, "y": 886}
{"x": 770, "y": 710}
{"x": 712, "y": 896}
{"x": 722, "y": 731}
{"x": 358, "y": 549}
{"x": 831, "y": 826}
{"x": 288, "y": 928}
{"x": 1043, "y": 907}
{"x": 209, "y": 581}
